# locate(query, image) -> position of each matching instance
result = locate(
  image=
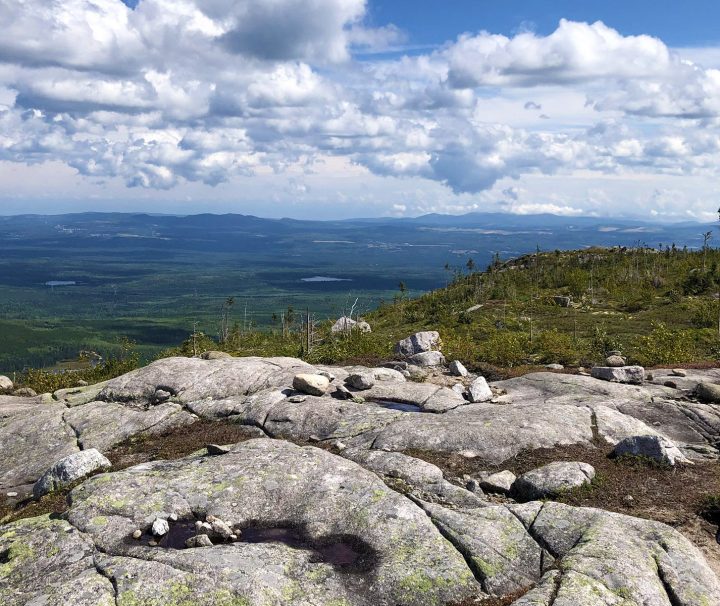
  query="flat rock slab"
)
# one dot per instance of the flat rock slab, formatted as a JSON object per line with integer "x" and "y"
{"x": 609, "y": 559}
{"x": 427, "y": 396}
{"x": 693, "y": 426}
{"x": 490, "y": 432}
{"x": 32, "y": 436}
{"x": 272, "y": 484}
{"x": 192, "y": 379}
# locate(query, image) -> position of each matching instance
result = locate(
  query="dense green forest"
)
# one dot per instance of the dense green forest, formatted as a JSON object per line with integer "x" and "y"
{"x": 658, "y": 306}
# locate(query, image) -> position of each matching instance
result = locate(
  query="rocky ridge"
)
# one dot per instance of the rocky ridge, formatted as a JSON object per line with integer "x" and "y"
{"x": 366, "y": 523}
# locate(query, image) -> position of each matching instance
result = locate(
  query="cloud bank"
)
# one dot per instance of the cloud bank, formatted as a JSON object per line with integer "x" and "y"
{"x": 180, "y": 92}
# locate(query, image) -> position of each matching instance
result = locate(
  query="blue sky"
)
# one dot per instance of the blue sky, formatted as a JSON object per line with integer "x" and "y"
{"x": 689, "y": 23}
{"x": 336, "y": 108}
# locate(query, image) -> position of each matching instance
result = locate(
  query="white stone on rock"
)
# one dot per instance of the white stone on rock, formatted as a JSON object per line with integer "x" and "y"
{"x": 479, "y": 391}
{"x": 314, "y": 385}
{"x": 457, "y": 369}
{"x": 420, "y": 342}
{"x": 634, "y": 375}
{"x": 501, "y": 481}
{"x": 361, "y": 380}
{"x": 70, "y": 469}
{"x": 655, "y": 447}
{"x": 160, "y": 527}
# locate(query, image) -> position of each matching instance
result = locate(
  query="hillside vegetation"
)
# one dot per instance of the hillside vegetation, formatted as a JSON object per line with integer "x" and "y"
{"x": 658, "y": 306}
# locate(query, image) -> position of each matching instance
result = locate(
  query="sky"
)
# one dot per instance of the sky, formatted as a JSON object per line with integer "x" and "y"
{"x": 346, "y": 108}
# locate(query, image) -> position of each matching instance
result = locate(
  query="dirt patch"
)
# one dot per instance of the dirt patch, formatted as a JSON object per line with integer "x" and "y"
{"x": 672, "y": 495}
{"x": 178, "y": 442}
{"x": 53, "y": 503}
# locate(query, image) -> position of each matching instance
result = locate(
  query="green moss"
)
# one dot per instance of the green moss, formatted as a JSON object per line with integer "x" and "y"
{"x": 16, "y": 555}
{"x": 99, "y": 521}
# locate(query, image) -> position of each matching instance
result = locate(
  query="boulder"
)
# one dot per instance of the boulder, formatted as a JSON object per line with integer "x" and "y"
{"x": 314, "y": 385}
{"x": 25, "y": 392}
{"x": 654, "y": 447}
{"x": 501, "y": 481}
{"x": 6, "y": 385}
{"x": 615, "y": 361}
{"x": 345, "y": 324}
{"x": 457, "y": 369}
{"x": 427, "y": 358}
{"x": 552, "y": 479}
{"x": 479, "y": 390}
{"x": 562, "y": 301}
{"x": 361, "y": 380}
{"x": 70, "y": 469}
{"x": 633, "y": 375}
{"x": 679, "y": 372}
{"x": 554, "y": 366}
{"x": 708, "y": 392}
{"x": 420, "y": 342}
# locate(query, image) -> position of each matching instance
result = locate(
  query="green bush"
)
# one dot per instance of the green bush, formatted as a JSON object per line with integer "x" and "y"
{"x": 553, "y": 347}
{"x": 663, "y": 346}
{"x": 504, "y": 348}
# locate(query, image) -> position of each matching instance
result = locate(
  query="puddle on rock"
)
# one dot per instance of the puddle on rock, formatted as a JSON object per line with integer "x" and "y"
{"x": 401, "y": 406}
{"x": 346, "y": 553}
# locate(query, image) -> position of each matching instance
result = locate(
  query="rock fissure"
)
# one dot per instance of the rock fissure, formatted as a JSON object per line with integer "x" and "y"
{"x": 111, "y": 578}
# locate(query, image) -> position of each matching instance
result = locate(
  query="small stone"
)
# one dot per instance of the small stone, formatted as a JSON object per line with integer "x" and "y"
{"x": 459, "y": 389}
{"x": 313, "y": 385}
{"x": 219, "y": 528}
{"x": 162, "y": 395}
{"x": 457, "y": 369}
{"x": 201, "y": 540}
{"x": 215, "y": 449}
{"x": 499, "y": 482}
{"x": 153, "y": 543}
{"x": 472, "y": 485}
{"x": 328, "y": 375}
{"x": 361, "y": 380}
{"x": 173, "y": 517}
{"x": 679, "y": 372}
{"x": 670, "y": 384}
{"x": 233, "y": 504}
{"x": 314, "y": 438}
{"x": 137, "y": 534}
{"x": 554, "y": 366}
{"x": 343, "y": 392}
{"x": 628, "y": 500}
{"x": 479, "y": 390}
{"x": 160, "y": 527}
{"x": 297, "y": 399}
{"x": 233, "y": 537}
{"x": 649, "y": 377}
{"x": 11, "y": 494}
{"x": 415, "y": 373}
{"x": 340, "y": 445}
{"x": 81, "y": 383}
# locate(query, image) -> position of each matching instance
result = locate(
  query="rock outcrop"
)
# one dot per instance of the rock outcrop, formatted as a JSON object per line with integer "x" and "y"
{"x": 369, "y": 522}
